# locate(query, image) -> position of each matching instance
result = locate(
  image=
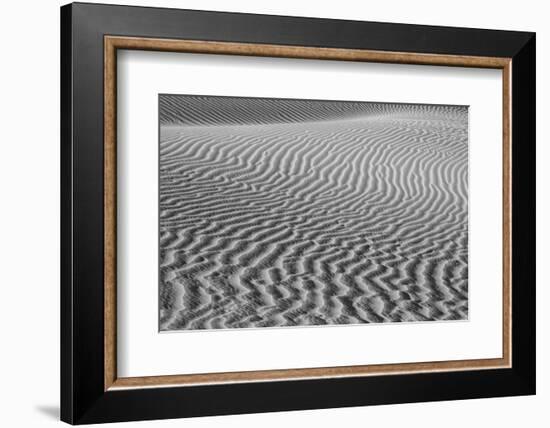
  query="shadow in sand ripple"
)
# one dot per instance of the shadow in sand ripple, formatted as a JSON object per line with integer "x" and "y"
{"x": 295, "y": 212}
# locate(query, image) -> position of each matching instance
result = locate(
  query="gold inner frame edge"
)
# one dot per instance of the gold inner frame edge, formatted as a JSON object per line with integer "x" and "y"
{"x": 113, "y": 43}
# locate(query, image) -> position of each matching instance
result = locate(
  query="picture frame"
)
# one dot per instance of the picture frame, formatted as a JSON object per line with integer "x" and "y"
{"x": 91, "y": 389}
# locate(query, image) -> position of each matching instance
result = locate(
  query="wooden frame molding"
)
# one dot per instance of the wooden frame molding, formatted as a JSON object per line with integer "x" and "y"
{"x": 113, "y": 43}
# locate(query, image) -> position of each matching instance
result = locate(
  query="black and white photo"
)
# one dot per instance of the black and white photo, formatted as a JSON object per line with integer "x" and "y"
{"x": 290, "y": 212}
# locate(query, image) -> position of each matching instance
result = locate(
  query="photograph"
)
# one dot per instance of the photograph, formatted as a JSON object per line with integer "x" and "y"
{"x": 292, "y": 212}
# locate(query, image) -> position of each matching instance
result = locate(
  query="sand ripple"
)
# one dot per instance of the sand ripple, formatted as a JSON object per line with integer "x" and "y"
{"x": 295, "y": 212}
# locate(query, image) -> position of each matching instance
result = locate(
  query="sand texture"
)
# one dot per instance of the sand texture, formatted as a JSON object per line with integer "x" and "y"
{"x": 281, "y": 213}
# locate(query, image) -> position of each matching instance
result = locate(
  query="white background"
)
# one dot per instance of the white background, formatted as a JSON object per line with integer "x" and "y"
{"x": 142, "y": 351}
{"x": 29, "y": 226}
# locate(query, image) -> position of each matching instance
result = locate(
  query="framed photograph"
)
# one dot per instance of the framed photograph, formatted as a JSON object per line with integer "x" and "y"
{"x": 265, "y": 213}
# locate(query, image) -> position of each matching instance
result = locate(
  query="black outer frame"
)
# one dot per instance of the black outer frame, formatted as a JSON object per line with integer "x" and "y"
{"x": 83, "y": 399}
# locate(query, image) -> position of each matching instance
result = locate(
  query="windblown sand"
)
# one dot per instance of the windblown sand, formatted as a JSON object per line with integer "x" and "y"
{"x": 291, "y": 212}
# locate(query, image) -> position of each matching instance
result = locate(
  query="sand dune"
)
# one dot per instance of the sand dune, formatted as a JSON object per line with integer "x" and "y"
{"x": 294, "y": 212}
